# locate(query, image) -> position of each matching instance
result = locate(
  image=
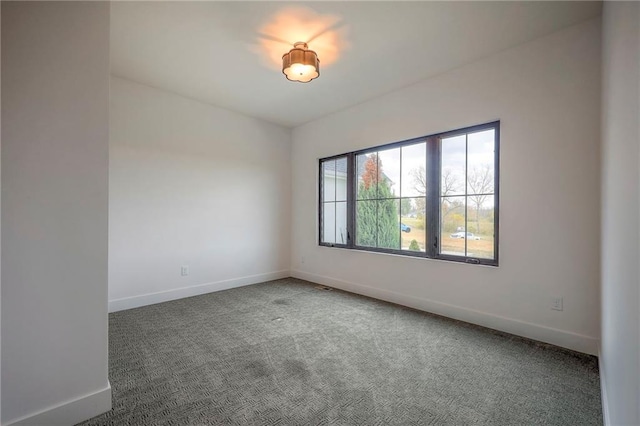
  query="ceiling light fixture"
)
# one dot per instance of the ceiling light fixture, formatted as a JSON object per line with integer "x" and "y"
{"x": 301, "y": 64}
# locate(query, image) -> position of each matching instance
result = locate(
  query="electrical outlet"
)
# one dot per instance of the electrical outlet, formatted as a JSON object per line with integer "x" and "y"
{"x": 184, "y": 270}
{"x": 556, "y": 303}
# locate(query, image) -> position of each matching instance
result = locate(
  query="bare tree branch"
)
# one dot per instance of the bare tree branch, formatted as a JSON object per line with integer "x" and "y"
{"x": 450, "y": 182}
{"x": 480, "y": 188}
{"x": 420, "y": 180}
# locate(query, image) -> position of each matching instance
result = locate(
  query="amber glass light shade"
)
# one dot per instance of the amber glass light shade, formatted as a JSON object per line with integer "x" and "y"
{"x": 301, "y": 64}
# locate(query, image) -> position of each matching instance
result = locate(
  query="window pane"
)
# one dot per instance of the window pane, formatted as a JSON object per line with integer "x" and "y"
{"x": 341, "y": 223}
{"x": 367, "y": 168}
{"x": 412, "y": 223}
{"x": 414, "y": 179}
{"x": 452, "y": 227}
{"x": 389, "y": 172}
{"x": 389, "y": 224}
{"x": 341, "y": 179}
{"x": 329, "y": 223}
{"x": 452, "y": 173}
{"x": 366, "y": 223}
{"x": 480, "y": 162}
{"x": 480, "y": 226}
{"x": 329, "y": 180}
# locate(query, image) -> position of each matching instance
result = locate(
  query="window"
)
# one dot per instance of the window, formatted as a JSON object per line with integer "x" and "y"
{"x": 434, "y": 197}
{"x": 333, "y": 201}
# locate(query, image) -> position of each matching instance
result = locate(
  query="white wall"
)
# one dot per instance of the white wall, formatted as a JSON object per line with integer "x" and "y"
{"x": 547, "y": 95}
{"x": 55, "y": 82}
{"x": 0, "y": 212}
{"x": 196, "y": 185}
{"x": 620, "y": 357}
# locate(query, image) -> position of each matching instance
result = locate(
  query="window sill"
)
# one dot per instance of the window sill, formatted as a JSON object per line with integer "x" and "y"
{"x": 416, "y": 255}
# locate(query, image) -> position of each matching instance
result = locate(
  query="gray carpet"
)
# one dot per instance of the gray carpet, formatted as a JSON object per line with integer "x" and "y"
{"x": 287, "y": 353}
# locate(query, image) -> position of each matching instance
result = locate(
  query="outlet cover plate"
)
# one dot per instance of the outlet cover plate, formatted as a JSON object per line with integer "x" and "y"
{"x": 556, "y": 303}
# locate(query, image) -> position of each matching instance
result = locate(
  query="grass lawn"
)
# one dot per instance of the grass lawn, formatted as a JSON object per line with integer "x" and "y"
{"x": 415, "y": 234}
{"x": 482, "y": 248}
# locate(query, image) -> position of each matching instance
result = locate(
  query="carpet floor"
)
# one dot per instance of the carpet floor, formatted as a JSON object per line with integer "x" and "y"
{"x": 288, "y": 353}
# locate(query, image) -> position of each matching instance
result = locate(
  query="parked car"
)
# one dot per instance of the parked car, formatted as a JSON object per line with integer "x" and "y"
{"x": 469, "y": 235}
{"x": 405, "y": 228}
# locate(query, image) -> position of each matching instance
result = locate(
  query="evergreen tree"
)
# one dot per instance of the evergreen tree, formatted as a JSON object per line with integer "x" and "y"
{"x": 377, "y": 220}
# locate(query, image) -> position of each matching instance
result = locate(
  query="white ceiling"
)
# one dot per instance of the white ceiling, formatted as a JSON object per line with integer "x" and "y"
{"x": 227, "y": 53}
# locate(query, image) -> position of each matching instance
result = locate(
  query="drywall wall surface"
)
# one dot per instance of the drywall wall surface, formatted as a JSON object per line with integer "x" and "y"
{"x": 55, "y": 112}
{"x": 0, "y": 211}
{"x": 197, "y": 186}
{"x": 546, "y": 94}
{"x": 620, "y": 356}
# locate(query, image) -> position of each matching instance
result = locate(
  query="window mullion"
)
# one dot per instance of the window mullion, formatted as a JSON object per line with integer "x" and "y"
{"x": 351, "y": 200}
{"x": 496, "y": 191}
{"x": 432, "y": 224}
{"x": 466, "y": 193}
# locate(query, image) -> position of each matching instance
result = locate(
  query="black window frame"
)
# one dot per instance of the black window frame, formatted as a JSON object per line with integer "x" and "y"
{"x": 322, "y": 202}
{"x": 433, "y": 196}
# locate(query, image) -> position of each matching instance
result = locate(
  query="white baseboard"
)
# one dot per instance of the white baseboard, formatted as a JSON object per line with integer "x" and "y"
{"x": 565, "y": 339}
{"x": 180, "y": 293}
{"x": 69, "y": 412}
{"x": 603, "y": 389}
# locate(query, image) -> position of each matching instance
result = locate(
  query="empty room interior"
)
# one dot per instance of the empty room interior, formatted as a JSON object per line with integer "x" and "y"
{"x": 320, "y": 213}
